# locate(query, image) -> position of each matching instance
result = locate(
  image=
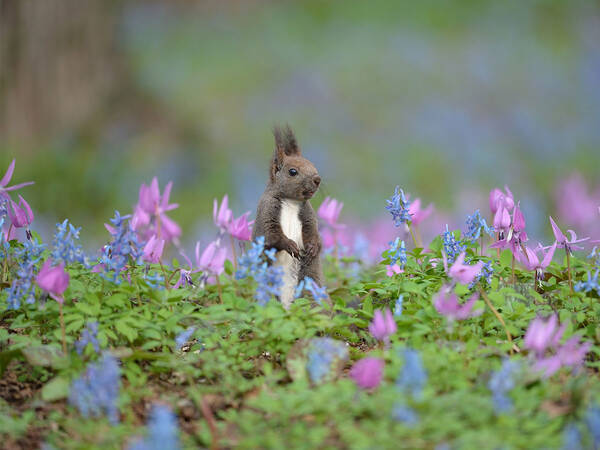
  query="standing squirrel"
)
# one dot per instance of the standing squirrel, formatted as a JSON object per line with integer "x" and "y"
{"x": 286, "y": 218}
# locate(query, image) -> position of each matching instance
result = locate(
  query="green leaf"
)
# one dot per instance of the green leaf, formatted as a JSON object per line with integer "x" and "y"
{"x": 43, "y": 355}
{"x": 56, "y": 389}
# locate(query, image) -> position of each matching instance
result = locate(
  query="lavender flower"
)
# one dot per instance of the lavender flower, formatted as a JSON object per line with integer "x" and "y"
{"x": 398, "y": 206}
{"x": 22, "y": 287}
{"x": 452, "y": 247}
{"x": 183, "y": 337}
{"x": 89, "y": 335}
{"x": 475, "y": 225}
{"x": 123, "y": 248}
{"x": 96, "y": 391}
{"x": 413, "y": 377}
{"x": 65, "y": 247}
{"x": 162, "y": 431}
{"x": 501, "y": 382}
{"x": 319, "y": 293}
{"x": 324, "y": 355}
{"x": 397, "y": 253}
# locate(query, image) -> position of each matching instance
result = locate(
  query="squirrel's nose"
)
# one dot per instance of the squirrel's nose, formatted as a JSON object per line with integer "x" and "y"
{"x": 317, "y": 180}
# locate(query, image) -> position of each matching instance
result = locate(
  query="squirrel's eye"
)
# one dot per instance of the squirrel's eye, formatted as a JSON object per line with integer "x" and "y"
{"x": 293, "y": 172}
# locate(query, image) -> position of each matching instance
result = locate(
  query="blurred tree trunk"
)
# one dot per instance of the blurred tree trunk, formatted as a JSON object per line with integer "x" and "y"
{"x": 59, "y": 64}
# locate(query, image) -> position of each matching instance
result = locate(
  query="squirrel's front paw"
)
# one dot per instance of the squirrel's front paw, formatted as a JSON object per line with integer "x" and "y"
{"x": 292, "y": 248}
{"x": 311, "y": 250}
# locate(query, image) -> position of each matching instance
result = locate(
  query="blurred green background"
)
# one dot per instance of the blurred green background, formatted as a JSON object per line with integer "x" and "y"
{"x": 447, "y": 99}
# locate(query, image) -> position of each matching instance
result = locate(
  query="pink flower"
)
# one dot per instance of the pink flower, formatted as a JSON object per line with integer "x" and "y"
{"x": 329, "y": 211}
{"x": 531, "y": 261}
{"x": 446, "y": 303}
{"x": 571, "y": 354}
{"x": 151, "y": 205}
{"x": 6, "y": 179}
{"x": 562, "y": 240}
{"x": 20, "y": 214}
{"x": 543, "y": 334}
{"x": 240, "y": 228}
{"x": 367, "y": 373}
{"x": 212, "y": 259}
{"x": 223, "y": 216}
{"x": 500, "y": 199}
{"x": 153, "y": 249}
{"x": 53, "y": 280}
{"x": 501, "y": 220}
{"x": 463, "y": 273}
{"x": 383, "y": 325}
{"x": 391, "y": 270}
{"x": 417, "y": 214}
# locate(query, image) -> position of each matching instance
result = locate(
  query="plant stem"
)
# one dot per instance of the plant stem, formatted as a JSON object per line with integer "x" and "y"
{"x": 498, "y": 316}
{"x": 62, "y": 327}
{"x": 167, "y": 285}
{"x": 513, "y": 269}
{"x": 233, "y": 253}
{"x": 412, "y": 234}
{"x": 219, "y": 288}
{"x": 569, "y": 268}
{"x": 481, "y": 248}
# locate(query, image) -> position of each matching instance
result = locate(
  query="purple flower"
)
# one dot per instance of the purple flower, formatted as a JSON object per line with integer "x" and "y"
{"x": 6, "y": 179}
{"x": 213, "y": 258}
{"x": 240, "y": 228}
{"x": 514, "y": 235}
{"x": 20, "y": 214}
{"x": 153, "y": 249}
{"x": 151, "y": 212}
{"x": 222, "y": 215}
{"x": 499, "y": 199}
{"x": 418, "y": 215}
{"x": 367, "y": 373}
{"x": 53, "y": 280}
{"x": 463, "y": 273}
{"x": 542, "y": 334}
{"x": 563, "y": 241}
{"x": 446, "y": 303}
{"x": 531, "y": 261}
{"x": 329, "y": 211}
{"x": 502, "y": 221}
{"x": 383, "y": 325}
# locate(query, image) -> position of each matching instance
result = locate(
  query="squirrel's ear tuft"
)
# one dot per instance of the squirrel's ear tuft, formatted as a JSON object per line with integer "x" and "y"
{"x": 286, "y": 141}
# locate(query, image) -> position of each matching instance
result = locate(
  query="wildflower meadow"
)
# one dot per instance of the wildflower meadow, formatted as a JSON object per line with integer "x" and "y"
{"x": 478, "y": 338}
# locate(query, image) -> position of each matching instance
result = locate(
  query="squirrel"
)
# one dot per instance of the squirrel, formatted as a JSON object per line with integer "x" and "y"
{"x": 285, "y": 216}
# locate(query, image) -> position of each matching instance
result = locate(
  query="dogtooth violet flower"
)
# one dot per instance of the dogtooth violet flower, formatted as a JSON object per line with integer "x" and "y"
{"x": 367, "y": 373}
{"x": 446, "y": 303}
{"x": 153, "y": 249}
{"x": 532, "y": 262}
{"x": 151, "y": 211}
{"x": 500, "y": 199}
{"x": 502, "y": 222}
{"x": 398, "y": 206}
{"x": 222, "y": 215}
{"x": 329, "y": 211}
{"x": 240, "y": 228}
{"x": 20, "y": 214}
{"x": 383, "y": 325}
{"x": 515, "y": 235}
{"x": 463, "y": 273}
{"x": 563, "y": 241}
{"x": 6, "y": 179}
{"x": 212, "y": 260}
{"x": 418, "y": 215}
{"x": 542, "y": 334}
{"x": 53, "y": 280}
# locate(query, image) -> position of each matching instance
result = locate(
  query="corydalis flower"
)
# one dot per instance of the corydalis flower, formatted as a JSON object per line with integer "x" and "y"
{"x": 475, "y": 225}
{"x": 499, "y": 199}
{"x": 568, "y": 244}
{"x": 323, "y": 357}
{"x": 590, "y": 284}
{"x": 6, "y": 179}
{"x": 501, "y": 383}
{"x": 367, "y": 373}
{"x": 397, "y": 253}
{"x": 446, "y": 303}
{"x": 22, "y": 287}
{"x": 151, "y": 212}
{"x": 162, "y": 431}
{"x": 398, "y": 306}
{"x": 329, "y": 211}
{"x": 319, "y": 293}
{"x": 124, "y": 248}
{"x": 398, "y": 206}
{"x": 222, "y": 215}
{"x": 53, "y": 280}
{"x": 383, "y": 325}
{"x": 452, "y": 246}
{"x": 65, "y": 245}
{"x": 463, "y": 273}
{"x": 96, "y": 391}
{"x": 20, "y": 214}
{"x": 89, "y": 335}
{"x": 183, "y": 337}
{"x": 253, "y": 264}
{"x": 413, "y": 376}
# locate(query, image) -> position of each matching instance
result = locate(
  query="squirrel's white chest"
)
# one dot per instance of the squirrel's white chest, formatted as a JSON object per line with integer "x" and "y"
{"x": 291, "y": 226}
{"x": 290, "y": 221}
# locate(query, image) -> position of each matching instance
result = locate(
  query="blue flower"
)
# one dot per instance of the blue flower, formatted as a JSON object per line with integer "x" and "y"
{"x": 398, "y": 206}
{"x": 183, "y": 337}
{"x": 487, "y": 271}
{"x": 324, "y": 354}
{"x": 154, "y": 280}
{"x": 398, "y": 306}
{"x": 162, "y": 431}
{"x": 319, "y": 293}
{"x": 89, "y": 335}
{"x": 572, "y": 438}
{"x": 65, "y": 247}
{"x": 501, "y": 383}
{"x": 452, "y": 247}
{"x": 590, "y": 284}
{"x": 123, "y": 248}
{"x": 23, "y": 284}
{"x": 96, "y": 391}
{"x": 268, "y": 277}
{"x": 405, "y": 414}
{"x": 592, "y": 420}
{"x": 397, "y": 253}
{"x": 475, "y": 224}
{"x": 413, "y": 376}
